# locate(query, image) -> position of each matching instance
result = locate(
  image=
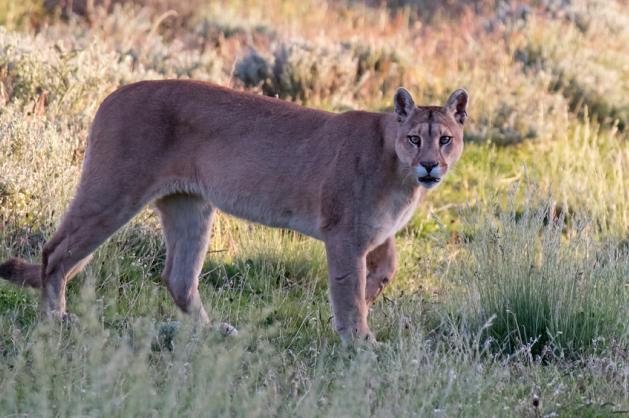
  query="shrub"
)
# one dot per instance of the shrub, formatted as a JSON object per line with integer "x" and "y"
{"x": 322, "y": 72}
{"x": 300, "y": 71}
{"x": 380, "y": 69}
{"x": 254, "y": 69}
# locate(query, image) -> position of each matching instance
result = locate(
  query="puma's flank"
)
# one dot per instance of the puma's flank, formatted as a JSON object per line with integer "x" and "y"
{"x": 351, "y": 180}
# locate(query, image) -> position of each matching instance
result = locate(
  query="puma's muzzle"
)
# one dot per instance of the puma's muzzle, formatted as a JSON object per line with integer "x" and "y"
{"x": 428, "y": 175}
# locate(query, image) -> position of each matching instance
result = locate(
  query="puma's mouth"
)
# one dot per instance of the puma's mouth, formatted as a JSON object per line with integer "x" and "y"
{"x": 428, "y": 181}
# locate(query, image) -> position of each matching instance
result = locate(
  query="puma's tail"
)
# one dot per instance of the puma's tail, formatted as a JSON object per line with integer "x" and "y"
{"x": 21, "y": 273}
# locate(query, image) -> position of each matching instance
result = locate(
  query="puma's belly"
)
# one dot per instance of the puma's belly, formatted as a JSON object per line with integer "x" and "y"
{"x": 266, "y": 211}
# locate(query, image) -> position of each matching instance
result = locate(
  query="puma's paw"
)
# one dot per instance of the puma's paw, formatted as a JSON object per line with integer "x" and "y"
{"x": 370, "y": 339}
{"x": 226, "y": 329}
{"x": 65, "y": 318}
{"x": 357, "y": 335}
{"x": 69, "y": 318}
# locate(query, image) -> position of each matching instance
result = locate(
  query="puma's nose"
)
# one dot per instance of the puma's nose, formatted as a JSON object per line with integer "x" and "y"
{"x": 429, "y": 165}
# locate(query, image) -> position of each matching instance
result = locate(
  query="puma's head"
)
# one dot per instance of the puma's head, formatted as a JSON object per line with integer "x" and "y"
{"x": 429, "y": 138}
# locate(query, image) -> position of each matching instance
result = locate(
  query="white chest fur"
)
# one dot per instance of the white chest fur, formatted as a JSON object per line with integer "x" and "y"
{"x": 393, "y": 215}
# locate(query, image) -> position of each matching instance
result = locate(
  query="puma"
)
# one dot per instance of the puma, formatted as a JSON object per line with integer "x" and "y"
{"x": 351, "y": 180}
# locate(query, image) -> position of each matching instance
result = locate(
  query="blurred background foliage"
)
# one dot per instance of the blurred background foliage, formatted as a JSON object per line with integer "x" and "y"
{"x": 527, "y": 63}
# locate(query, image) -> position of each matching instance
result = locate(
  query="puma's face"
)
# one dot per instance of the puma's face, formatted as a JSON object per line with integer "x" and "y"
{"x": 429, "y": 139}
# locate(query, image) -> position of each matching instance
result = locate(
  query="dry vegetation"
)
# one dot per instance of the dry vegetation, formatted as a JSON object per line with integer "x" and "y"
{"x": 512, "y": 297}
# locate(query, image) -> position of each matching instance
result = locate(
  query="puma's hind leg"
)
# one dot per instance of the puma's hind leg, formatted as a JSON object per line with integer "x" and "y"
{"x": 93, "y": 216}
{"x": 187, "y": 222}
{"x": 381, "y": 266}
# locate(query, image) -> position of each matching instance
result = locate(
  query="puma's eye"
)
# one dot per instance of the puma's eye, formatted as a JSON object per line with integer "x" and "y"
{"x": 414, "y": 139}
{"x": 445, "y": 140}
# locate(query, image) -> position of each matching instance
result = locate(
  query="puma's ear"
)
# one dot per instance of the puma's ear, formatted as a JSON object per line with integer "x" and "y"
{"x": 457, "y": 105}
{"x": 403, "y": 104}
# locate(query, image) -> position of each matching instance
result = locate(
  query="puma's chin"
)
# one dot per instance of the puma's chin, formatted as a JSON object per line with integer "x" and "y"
{"x": 428, "y": 182}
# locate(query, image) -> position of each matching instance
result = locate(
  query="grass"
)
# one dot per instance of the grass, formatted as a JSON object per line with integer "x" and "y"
{"x": 513, "y": 286}
{"x": 532, "y": 285}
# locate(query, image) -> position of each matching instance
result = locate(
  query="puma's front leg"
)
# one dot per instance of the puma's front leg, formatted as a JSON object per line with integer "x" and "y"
{"x": 381, "y": 266}
{"x": 347, "y": 279}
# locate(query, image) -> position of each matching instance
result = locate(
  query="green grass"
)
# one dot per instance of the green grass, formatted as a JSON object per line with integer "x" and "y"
{"x": 531, "y": 284}
{"x": 512, "y": 293}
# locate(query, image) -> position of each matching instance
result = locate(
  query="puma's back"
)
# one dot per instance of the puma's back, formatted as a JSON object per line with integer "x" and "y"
{"x": 252, "y": 156}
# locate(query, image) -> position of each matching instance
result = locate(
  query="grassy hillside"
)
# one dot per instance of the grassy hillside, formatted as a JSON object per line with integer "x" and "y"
{"x": 512, "y": 295}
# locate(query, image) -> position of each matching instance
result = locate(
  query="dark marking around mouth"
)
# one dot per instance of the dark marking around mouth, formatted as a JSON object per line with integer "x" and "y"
{"x": 429, "y": 179}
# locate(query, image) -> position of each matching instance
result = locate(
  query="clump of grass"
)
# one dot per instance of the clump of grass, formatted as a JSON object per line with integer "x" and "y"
{"x": 551, "y": 291}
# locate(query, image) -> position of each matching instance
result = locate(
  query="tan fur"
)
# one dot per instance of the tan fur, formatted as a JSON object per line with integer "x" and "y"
{"x": 348, "y": 179}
